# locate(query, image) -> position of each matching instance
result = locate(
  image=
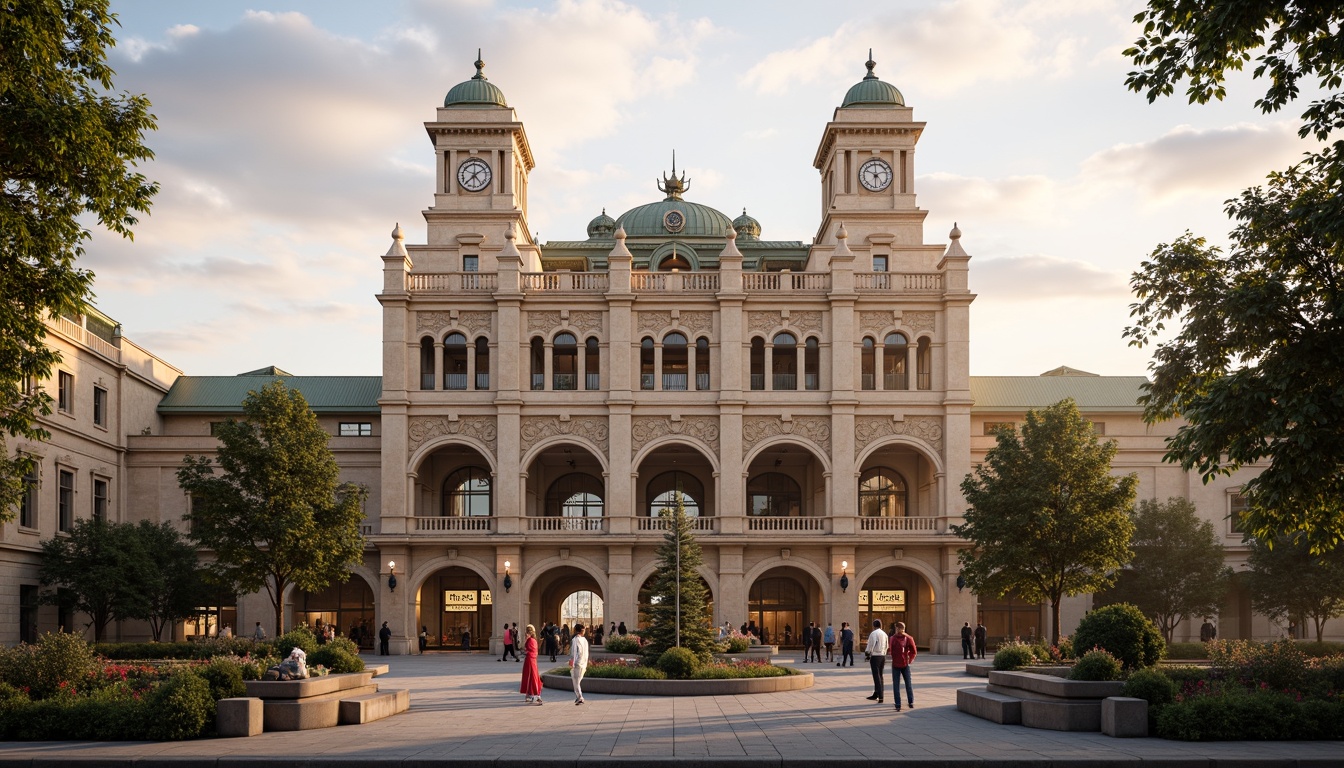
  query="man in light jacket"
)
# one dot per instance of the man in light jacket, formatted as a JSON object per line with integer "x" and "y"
{"x": 877, "y": 659}
{"x": 578, "y": 661}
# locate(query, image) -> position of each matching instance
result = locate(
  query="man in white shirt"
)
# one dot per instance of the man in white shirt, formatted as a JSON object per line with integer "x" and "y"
{"x": 578, "y": 661}
{"x": 877, "y": 658}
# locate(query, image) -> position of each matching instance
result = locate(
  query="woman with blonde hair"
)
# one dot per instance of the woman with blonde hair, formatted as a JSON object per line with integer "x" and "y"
{"x": 531, "y": 685}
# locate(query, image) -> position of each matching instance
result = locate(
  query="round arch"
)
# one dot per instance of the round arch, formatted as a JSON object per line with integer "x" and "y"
{"x": 802, "y": 564}
{"x": 428, "y": 568}
{"x": 666, "y": 249}
{"x": 362, "y": 571}
{"x": 537, "y": 570}
{"x": 770, "y": 442}
{"x": 550, "y": 442}
{"x": 924, "y": 570}
{"x": 921, "y": 447}
{"x": 430, "y": 446}
{"x": 689, "y": 441}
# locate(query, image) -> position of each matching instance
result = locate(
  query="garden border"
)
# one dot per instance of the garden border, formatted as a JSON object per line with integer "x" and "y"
{"x": 644, "y": 687}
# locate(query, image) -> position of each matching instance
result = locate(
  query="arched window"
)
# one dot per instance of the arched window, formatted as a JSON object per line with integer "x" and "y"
{"x": 812, "y": 363}
{"x": 675, "y": 362}
{"x": 466, "y": 493}
{"x": 675, "y": 261}
{"x": 924, "y": 364}
{"x": 646, "y": 372}
{"x": 868, "y": 364}
{"x": 538, "y": 361}
{"x": 455, "y": 361}
{"x": 482, "y": 363}
{"x": 702, "y": 363}
{"x": 565, "y": 362}
{"x": 758, "y": 363}
{"x": 785, "y": 367}
{"x": 774, "y": 494}
{"x": 663, "y": 489}
{"x": 575, "y": 495}
{"x": 592, "y": 364}
{"x": 426, "y": 363}
{"x": 881, "y": 493}
{"x": 893, "y": 362}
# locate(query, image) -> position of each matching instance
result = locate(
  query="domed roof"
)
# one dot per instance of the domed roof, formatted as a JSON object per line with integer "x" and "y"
{"x": 602, "y": 226}
{"x": 674, "y": 216}
{"x": 475, "y": 92}
{"x": 872, "y": 92}
{"x": 747, "y": 227}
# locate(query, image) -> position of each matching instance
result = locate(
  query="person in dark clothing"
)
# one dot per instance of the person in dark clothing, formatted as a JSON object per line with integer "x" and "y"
{"x": 552, "y": 641}
{"x": 846, "y": 644}
{"x": 980, "y": 637}
{"x": 621, "y": 629}
{"x": 967, "y": 651}
{"x": 598, "y": 634}
{"x": 384, "y": 639}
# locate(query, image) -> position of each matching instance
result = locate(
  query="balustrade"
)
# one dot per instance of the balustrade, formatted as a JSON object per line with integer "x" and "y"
{"x": 566, "y": 524}
{"x": 454, "y": 524}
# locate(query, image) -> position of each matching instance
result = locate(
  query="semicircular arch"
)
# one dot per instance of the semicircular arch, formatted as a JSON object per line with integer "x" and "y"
{"x": 702, "y": 448}
{"x": 547, "y": 443}
{"x": 920, "y": 446}
{"x": 806, "y": 566}
{"x": 430, "y": 446}
{"x": 430, "y": 567}
{"x": 537, "y": 570}
{"x": 769, "y": 442}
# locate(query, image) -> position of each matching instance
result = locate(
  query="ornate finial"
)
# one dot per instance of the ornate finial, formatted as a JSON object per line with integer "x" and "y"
{"x": 397, "y": 234}
{"x": 731, "y": 234}
{"x": 842, "y": 233}
{"x": 511, "y": 233}
{"x": 620, "y": 233}
{"x": 674, "y": 187}
{"x": 955, "y": 234}
{"x": 870, "y": 64}
{"x": 480, "y": 67}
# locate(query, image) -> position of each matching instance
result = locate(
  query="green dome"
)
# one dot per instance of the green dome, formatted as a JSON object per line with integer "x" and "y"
{"x": 475, "y": 92}
{"x": 747, "y": 227}
{"x": 872, "y": 92}
{"x": 602, "y": 226}
{"x": 697, "y": 220}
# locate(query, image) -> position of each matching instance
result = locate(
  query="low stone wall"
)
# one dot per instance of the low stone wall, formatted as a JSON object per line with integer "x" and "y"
{"x": 734, "y": 687}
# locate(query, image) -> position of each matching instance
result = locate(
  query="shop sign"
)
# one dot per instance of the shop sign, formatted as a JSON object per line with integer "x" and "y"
{"x": 459, "y": 601}
{"x": 883, "y": 599}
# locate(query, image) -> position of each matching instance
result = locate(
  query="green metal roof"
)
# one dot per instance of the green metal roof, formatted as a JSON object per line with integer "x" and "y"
{"x": 477, "y": 91}
{"x": 700, "y": 220}
{"x": 872, "y": 92}
{"x": 1022, "y": 393}
{"x": 225, "y": 394}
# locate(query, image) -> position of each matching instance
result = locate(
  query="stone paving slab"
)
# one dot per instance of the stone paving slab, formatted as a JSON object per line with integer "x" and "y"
{"x": 466, "y": 712}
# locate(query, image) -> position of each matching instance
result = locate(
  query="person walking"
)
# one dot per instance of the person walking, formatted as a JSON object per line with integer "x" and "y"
{"x": 531, "y": 684}
{"x": 846, "y": 645}
{"x": 981, "y": 635}
{"x": 578, "y": 661}
{"x": 424, "y": 638}
{"x": 384, "y": 639}
{"x": 903, "y": 654}
{"x": 565, "y": 638}
{"x": 259, "y": 633}
{"x": 598, "y": 635}
{"x": 828, "y": 638}
{"x": 967, "y": 652}
{"x": 552, "y": 635}
{"x": 814, "y": 640}
{"x": 508, "y": 644}
{"x": 621, "y": 629}
{"x": 877, "y": 659}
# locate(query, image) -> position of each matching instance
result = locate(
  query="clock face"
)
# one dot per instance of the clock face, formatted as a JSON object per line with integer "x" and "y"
{"x": 875, "y": 175}
{"x": 673, "y": 221}
{"x": 473, "y": 175}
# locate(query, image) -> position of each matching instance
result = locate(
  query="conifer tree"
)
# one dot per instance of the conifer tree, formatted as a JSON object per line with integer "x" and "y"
{"x": 679, "y": 558}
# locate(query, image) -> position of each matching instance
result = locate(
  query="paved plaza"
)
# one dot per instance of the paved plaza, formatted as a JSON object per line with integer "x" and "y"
{"x": 465, "y": 711}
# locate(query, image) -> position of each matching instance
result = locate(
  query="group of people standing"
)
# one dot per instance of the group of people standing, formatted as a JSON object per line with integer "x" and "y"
{"x": 973, "y": 641}
{"x": 815, "y": 638}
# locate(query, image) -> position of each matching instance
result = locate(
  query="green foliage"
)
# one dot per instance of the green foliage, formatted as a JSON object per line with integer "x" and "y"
{"x": 300, "y": 637}
{"x": 1186, "y": 675}
{"x": 336, "y": 658}
{"x": 1096, "y": 665}
{"x": 1186, "y": 651}
{"x": 736, "y": 645}
{"x": 1047, "y": 519}
{"x": 1318, "y": 648}
{"x": 1279, "y": 665}
{"x": 181, "y": 708}
{"x": 225, "y": 678}
{"x": 741, "y": 671}
{"x": 1287, "y": 581}
{"x": 621, "y": 644}
{"x": 678, "y": 663}
{"x": 70, "y": 144}
{"x": 1123, "y": 630}
{"x": 57, "y": 659}
{"x": 685, "y": 621}
{"x": 1262, "y": 715}
{"x": 168, "y": 577}
{"x": 623, "y": 671}
{"x": 1177, "y": 571}
{"x": 1152, "y": 686}
{"x": 1013, "y": 655}
{"x": 277, "y": 514}
{"x": 95, "y": 570}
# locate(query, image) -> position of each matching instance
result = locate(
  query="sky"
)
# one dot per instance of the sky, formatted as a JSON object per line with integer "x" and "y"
{"x": 290, "y": 142}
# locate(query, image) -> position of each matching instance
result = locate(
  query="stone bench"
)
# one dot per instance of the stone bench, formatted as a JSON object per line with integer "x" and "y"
{"x": 315, "y": 702}
{"x": 995, "y": 707}
{"x": 365, "y": 708}
{"x": 1046, "y": 700}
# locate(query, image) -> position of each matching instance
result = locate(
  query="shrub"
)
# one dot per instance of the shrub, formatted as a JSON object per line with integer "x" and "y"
{"x": 742, "y": 670}
{"x": 1066, "y": 649}
{"x": 678, "y": 663}
{"x": 1096, "y": 664}
{"x": 210, "y": 647}
{"x": 181, "y": 708}
{"x": 621, "y": 644}
{"x": 1182, "y": 675}
{"x": 1125, "y": 632}
{"x": 1280, "y": 665}
{"x": 1186, "y": 651}
{"x": 225, "y": 678}
{"x": 1323, "y": 677}
{"x": 736, "y": 645}
{"x": 58, "y": 657}
{"x": 336, "y": 658}
{"x": 614, "y": 669}
{"x": 1315, "y": 650}
{"x": 1013, "y": 655}
{"x": 299, "y": 637}
{"x": 1152, "y": 686}
{"x": 1250, "y": 715}
{"x": 139, "y": 651}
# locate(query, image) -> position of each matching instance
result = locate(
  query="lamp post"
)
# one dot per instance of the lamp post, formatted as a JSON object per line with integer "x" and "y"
{"x": 391, "y": 575}
{"x": 508, "y": 580}
{"x": 844, "y": 578}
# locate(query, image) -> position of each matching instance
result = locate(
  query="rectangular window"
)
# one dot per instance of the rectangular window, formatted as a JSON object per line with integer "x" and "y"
{"x": 1099, "y": 427}
{"x": 28, "y": 613}
{"x": 65, "y": 501}
{"x": 65, "y": 392}
{"x": 356, "y": 429}
{"x": 100, "y": 498}
{"x": 879, "y": 263}
{"x": 1236, "y": 507}
{"x": 100, "y": 406}
{"x": 992, "y": 426}
{"x": 471, "y": 263}
{"x": 28, "y": 501}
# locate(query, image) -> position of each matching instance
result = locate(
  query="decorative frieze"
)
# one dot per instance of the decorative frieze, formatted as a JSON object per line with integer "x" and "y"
{"x": 648, "y": 428}
{"x": 542, "y": 322}
{"x": 814, "y": 428}
{"x": 763, "y": 322}
{"x": 426, "y": 428}
{"x": 928, "y": 429}
{"x": 696, "y": 322}
{"x": 473, "y": 322}
{"x": 654, "y": 322}
{"x": 538, "y": 428}
{"x": 807, "y": 321}
{"x": 876, "y": 322}
{"x": 585, "y": 321}
{"x": 919, "y": 321}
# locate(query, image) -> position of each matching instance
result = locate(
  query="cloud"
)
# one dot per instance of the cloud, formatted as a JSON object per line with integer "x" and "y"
{"x": 1029, "y": 198}
{"x": 1044, "y": 278}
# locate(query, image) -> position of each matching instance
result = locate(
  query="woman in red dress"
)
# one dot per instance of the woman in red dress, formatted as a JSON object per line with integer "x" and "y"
{"x": 531, "y": 685}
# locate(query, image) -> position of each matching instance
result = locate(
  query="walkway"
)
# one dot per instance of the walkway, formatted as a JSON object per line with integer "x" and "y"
{"x": 465, "y": 712}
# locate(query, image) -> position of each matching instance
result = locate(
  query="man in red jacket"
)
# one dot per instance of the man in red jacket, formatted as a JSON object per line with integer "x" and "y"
{"x": 902, "y": 655}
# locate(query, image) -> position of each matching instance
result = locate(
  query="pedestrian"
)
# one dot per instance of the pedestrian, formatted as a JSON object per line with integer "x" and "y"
{"x": 531, "y": 685}
{"x": 1206, "y": 631}
{"x": 226, "y": 632}
{"x": 598, "y": 635}
{"x": 552, "y": 636}
{"x": 846, "y": 644}
{"x": 259, "y": 633}
{"x": 816, "y": 643}
{"x": 621, "y": 629}
{"x": 876, "y": 650}
{"x": 966, "y": 651}
{"x": 384, "y": 639}
{"x": 903, "y": 654}
{"x": 578, "y": 661}
{"x": 981, "y": 635}
{"x": 565, "y": 638}
{"x": 508, "y": 644}
{"x": 466, "y": 639}
{"x": 812, "y": 642}
{"x": 612, "y": 633}
{"x": 424, "y": 638}
{"x": 828, "y": 637}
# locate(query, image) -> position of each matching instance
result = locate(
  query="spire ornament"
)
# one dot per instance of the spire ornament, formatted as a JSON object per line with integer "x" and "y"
{"x": 674, "y": 187}
{"x": 480, "y": 67}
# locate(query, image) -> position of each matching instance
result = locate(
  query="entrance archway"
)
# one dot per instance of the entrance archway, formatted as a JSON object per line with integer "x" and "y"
{"x": 781, "y": 602}
{"x": 897, "y": 594}
{"x": 455, "y": 604}
{"x": 553, "y": 589}
{"x": 347, "y": 605}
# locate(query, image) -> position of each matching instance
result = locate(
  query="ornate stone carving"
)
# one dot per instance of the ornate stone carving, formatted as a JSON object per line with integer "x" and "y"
{"x": 476, "y": 322}
{"x": 653, "y": 322}
{"x": 929, "y": 429}
{"x": 432, "y": 321}
{"x": 875, "y": 322}
{"x": 473, "y": 322}
{"x": 648, "y": 428}
{"x": 543, "y": 322}
{"x": 425, "y": 428}
{"x": 814, "y": 428}
{"x": 918, "y": 321}
{"x": 763, "y": 322}
{"x": 538, "y": 428}
{"x": 806, "y": 321}
{"x": 696, "y": 322}
{"x": 585, "y": 321}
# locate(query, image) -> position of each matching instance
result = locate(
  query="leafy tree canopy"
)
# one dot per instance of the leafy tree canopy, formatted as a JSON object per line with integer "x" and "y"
{"x": 1047, "y": 519}
{"x": 96, "y": 570}
{"x": 679, "y": 559}
{"x": 67, "y": 155}
{"x": 1289, "y": 582}
{"x": 276, "y": 514}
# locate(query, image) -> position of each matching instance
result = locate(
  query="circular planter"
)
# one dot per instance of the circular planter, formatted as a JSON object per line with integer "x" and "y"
{"x": 681, "y": 687}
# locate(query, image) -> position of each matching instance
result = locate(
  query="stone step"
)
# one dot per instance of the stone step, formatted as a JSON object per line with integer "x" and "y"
{"x": 365, "y": 708}
{"x": 1062, "y": 715}
{"x": 321, "y": 711}
{"x": 312, "y": 686}
{"x": 994, "y": 707}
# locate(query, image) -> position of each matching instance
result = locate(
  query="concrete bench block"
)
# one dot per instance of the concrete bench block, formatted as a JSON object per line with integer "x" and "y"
{"x": 1062, "y": 715}
{"x": 1056, "y": 687}
{"x": 994, "y": 707}
{"x": 302, "y": 689}
{"x": 1124, "y": 717}
{"x": 368, "y": 707}
{"x": 238, "y": 717}
{"x": 376, "y": 669}
{"x": 323, "y": 711}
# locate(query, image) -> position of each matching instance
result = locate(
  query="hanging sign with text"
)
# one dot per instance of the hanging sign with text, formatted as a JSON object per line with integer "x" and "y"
{"x": 883, "y": 599}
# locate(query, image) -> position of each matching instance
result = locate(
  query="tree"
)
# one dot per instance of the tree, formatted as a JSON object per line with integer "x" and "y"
{"x": 96, "y": 571}
{"x": 170, "y": 581}
{"x": 1047, "y": 519}
{"x": 678, "y": 614}
{"x": 1178, "y": 570}
{"x": 66, "y": 158}
{"x": 277, "y": 515}
{"x": 1288, "y": 581}
{"x": 1256, "y": 367}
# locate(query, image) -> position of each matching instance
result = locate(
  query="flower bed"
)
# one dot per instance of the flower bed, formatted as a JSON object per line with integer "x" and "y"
{"x": 630, "y": 675}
